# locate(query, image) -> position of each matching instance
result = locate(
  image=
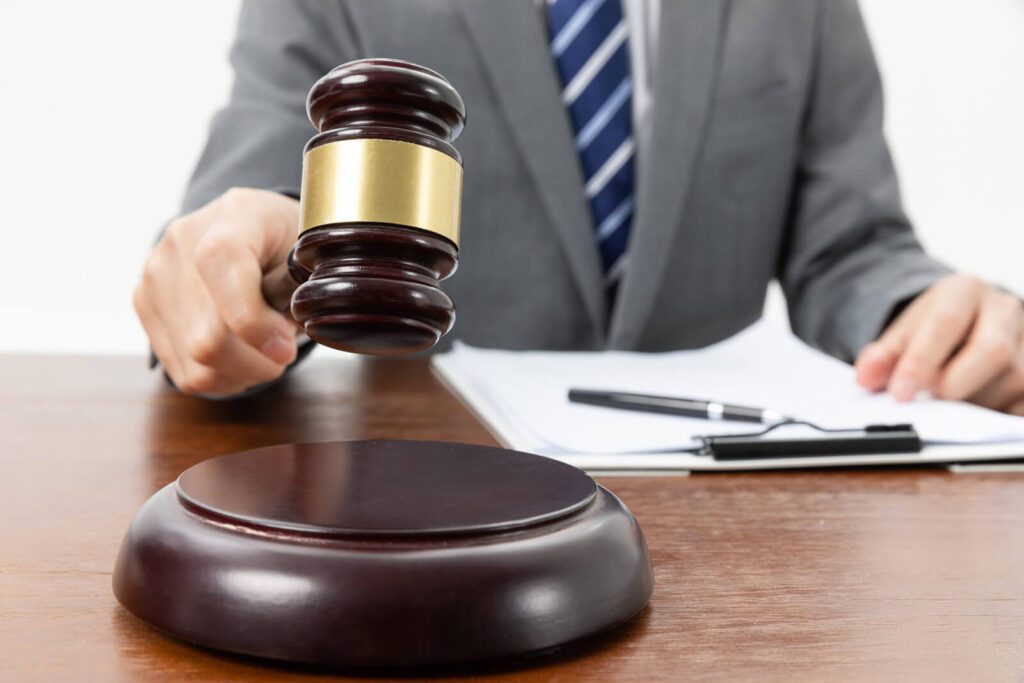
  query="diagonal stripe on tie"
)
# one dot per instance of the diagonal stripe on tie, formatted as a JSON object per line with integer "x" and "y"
{"x": 582, "y": 78}
{"x": 613, "y": 248}
{"x": 599, "y": 120}
{"x": 578, "y": 51}
{"x": 615, "y": 219}
{"x": 575, "y": 24}
{"x": 612, "y": 195}
{"x": 616, "y": 161}
{"x": 589, "y": 45}
{"x": 600, "y": 89}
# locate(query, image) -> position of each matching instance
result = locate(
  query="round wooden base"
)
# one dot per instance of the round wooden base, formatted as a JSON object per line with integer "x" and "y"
{"x": 383, "y": 553}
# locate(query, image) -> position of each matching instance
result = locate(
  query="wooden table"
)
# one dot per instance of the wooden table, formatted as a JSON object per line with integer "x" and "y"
{"x": 873, "y": 575}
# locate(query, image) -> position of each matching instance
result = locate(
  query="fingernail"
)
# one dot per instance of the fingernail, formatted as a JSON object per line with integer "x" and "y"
{"x": 903, "y": 388}
{"x": 279, "y": 349}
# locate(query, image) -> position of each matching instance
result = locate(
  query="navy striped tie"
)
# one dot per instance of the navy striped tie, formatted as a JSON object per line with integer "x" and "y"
{"x": 589, "y": 44}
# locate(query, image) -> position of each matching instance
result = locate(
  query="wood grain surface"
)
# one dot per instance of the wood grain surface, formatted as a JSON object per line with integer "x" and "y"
{"x": 843, "y": 575}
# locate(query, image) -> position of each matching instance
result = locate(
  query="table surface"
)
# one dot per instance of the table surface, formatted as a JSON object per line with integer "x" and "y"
{"x": 914, "y": 574}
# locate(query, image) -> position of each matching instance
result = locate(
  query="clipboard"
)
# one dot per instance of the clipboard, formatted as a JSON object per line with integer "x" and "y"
{"x": 511, "y": 434}
{"x": 900, "y": 438}
{"x": 520, "y": 397}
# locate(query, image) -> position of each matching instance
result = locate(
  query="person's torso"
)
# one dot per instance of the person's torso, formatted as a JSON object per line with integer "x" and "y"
{"x": 714, "y": 184}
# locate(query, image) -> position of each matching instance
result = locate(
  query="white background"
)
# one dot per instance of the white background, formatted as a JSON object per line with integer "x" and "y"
{"x": 106, "y": 103}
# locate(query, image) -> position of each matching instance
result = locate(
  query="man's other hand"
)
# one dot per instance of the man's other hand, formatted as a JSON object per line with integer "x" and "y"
{"x": 961, "y": 339}
{"x": 200, "y": 298}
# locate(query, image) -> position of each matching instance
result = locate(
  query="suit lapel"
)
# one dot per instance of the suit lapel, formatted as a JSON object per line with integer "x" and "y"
{"x": 686, "y": 69}
{"x": 511, "y": 40}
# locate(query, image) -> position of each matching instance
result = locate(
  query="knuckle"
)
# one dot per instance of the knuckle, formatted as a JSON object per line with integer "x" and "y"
{"x": 882, "y": 349}
{"x": 996, "y": 348}
{"x": 177, "y": 378}
{"x": 175, "y": 232}
{"x": 235, "y": 198}
{"x": 181, "y": 380}
{"x": 915, "y": 364}
{"x": 199, "y": 380}
{"x": 976, "y": 283}
{"x": 244, "y": 320}
{"x": 212, "y": 248}
{"x": 204, "y": 345}
{"x": 151, "y": 270}
{"x": 969, "y": 281}
{"x": 949, "y": 316}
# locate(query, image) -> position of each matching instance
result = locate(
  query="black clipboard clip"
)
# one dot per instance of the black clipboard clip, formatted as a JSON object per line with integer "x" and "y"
{"x": 873, "y": 439}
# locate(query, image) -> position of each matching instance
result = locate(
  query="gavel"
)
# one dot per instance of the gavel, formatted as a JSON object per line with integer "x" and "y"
{"x": 379, "y": 210}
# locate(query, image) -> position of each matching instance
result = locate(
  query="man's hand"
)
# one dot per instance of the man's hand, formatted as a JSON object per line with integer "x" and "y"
{"x": 961, "y": 339}
{"x": 200, "y": 300}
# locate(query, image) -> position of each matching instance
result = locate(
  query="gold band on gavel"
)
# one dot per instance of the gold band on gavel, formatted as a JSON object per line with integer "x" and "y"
{"x": 381, "y": 181}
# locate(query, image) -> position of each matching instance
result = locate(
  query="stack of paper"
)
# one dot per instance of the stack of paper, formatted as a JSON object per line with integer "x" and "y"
{"x": 522, "y": 397}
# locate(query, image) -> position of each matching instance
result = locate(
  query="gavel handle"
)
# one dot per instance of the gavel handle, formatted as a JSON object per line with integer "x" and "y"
{"x": 281, "y": 282}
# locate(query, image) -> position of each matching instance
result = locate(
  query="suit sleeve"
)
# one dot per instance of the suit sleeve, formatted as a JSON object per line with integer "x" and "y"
{"x": 851, "y": 255}
{"x": 256, "y": 140}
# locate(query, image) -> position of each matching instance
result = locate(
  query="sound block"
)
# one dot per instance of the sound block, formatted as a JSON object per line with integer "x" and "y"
{"x": 383, "y": 553}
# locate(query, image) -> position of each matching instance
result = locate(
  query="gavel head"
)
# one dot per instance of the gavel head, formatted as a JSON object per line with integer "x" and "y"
{"x": 380, "y": 208}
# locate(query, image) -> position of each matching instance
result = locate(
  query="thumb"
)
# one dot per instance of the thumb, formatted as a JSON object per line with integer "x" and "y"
{"x": 876, "y": 362}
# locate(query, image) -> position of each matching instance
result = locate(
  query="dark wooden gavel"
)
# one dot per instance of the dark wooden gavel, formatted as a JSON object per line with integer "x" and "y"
{"x": 379, "y": 210}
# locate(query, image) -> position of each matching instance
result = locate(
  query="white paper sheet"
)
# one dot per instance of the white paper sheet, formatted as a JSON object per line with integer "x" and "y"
{"x": 524, "y": 395}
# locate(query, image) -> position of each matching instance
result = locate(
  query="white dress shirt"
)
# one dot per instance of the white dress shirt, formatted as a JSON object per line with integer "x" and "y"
{"x": 642, "y": 17}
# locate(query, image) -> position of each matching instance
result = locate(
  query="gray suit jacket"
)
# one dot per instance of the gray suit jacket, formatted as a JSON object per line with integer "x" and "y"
{"x": 768, "y": 162}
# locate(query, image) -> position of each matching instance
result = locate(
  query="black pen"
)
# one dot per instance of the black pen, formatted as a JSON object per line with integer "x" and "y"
{"x": 667, "y": 405}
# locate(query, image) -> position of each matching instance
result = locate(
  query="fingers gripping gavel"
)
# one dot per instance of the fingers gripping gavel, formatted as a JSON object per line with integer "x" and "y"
{"x": 379, "y": 210}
